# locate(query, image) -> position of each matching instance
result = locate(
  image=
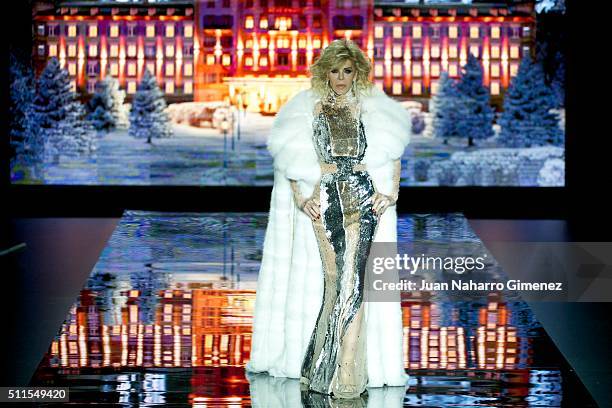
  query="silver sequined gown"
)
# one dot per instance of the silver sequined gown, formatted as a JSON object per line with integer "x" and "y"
{"x": 335, "y": 360}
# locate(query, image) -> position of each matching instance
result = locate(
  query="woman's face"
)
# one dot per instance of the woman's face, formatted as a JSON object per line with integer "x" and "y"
{"x": 341, "y": 78}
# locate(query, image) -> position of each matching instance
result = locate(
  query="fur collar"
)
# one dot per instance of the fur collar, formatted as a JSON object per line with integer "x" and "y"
{"x": 387, "y": 127}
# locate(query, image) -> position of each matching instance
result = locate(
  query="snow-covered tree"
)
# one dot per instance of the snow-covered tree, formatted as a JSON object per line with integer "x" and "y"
{"x": 444, "y": 108}
{"x": 106, "y": 107}
{"x": 476, "y": 119}
{"x": 528, "y": 119}
{"x": 558, "y": 81}
{"x": 148, "y": 117}
{"x": 24, "y": 137}
{"x": 59, "y": 114}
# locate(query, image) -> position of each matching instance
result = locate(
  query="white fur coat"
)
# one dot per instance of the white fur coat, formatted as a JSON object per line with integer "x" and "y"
{"x": 290, "y": 282}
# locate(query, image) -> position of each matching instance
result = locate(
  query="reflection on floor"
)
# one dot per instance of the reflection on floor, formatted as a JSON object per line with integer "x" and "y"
{"x": 166, "y": 317}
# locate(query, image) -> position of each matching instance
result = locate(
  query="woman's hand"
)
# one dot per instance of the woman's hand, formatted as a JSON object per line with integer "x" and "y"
{"x": 380, "y": 203}
{"x": 312, "y": 208}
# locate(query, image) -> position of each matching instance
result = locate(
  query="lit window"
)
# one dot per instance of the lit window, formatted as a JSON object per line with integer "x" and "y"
{"x": 92, "y": 30}
{"x": 263, "y": 61}
{"x": 53, "y": 50}
{"x": 72, "y": 68}
{"x": 248, "y": 22}
{"x": 316, "y": 42}
{"x": 151, "y": 67}
{"x": 188, "y": 87}
{"x": 225, "y": 60}
{"x": 379, "y": 84}
{"x": 93, "y": 50}
{"x": 513, "y": 69}
{"x": 169, "y": 87}
{"x": 188, "y": 69}
{"x": 434, "y": 87}
{"x": 495, "y": 32}
{"x": 114, "y": 30}
{"x": 397, "y": 31}
{"x": 248, "y": 61}
{"x": 453, "y": 32}
{"x": 263, "y": 42}
{"x": 378, "y": 69}
{"x": 248, "y": 43}
{"x": 495, "y": 70}
{"x": 435, "y": 32}
{"x": 131, "y": 87}
{"x": 397, "y": 69}
{"x": 514, "y": 51}
{"x": 188, "y": 31}
{"x": 131, "y": 69}
{"x": 91, "y": 86}
{"x": 435, "y": 51}
{"x": 150, "y": 31}
{"x": 435, "y": 69}
{"x": 495, "y": 51}
{"x": 378, "y": 31}
{"x": 416, "y": 88}
{"x": 397, "y": 87}
{"x": 72, "y": 30}
{"x": 41, "y": 29}
{"x": 170, "y": 30}
{"x": 416, "y": 70}
{"x": 452, "y": 69}
{"x": 452, "y": 51}
{"x": 72, "y": 50}
{"x": 494, "y": 88}
{"x": 131, "y": 51}
{"x": 526, "y": 50}
{"x": 474, "y": 32}
{"x": 73, "y": 86}
{"x": 526, "y": 31}
{"x": 114, "y": 50}
{"x": 416, "y": 31}
{"x": 475, "y": 50}
{"x": 169, "y": 50}
{"x": 169, "y": 68}
{"x": 210, "y": 59}
{"x": 114, "y": 69}
{"x": 397, "y": 51}
{"x": 302, "y": 42}
{"x": 263, "y": 23}
{"x": 41, "y": 50}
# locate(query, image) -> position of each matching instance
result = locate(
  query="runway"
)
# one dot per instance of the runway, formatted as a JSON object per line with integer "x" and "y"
{"x": 165, "y": 317}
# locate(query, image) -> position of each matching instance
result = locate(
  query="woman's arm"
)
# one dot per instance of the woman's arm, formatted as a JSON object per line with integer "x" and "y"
{"x": 310, "y": 206}
{"x": 382, "y": 201}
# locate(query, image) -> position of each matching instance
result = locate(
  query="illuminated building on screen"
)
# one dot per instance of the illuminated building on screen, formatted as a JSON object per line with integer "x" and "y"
{"x": 257, "y": 52}
{"x": 414, "y": 43}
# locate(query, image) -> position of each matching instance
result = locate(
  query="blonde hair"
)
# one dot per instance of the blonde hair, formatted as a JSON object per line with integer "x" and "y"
{"x": 334, "y": 56}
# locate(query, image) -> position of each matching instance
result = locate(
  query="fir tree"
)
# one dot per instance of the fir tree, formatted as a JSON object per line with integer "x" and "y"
{"x": 558, "y": 81}
{"x": 148, "y": 117}
{"x": 444, "y": 108}
{"x": 476, "y": 119}
{"x": 107, "y": 110}
{"x": 527, "y": 119}
{"x": 24, "y": 137}
{"x": 101, "y": 106}
{"x": 59, "y": 114}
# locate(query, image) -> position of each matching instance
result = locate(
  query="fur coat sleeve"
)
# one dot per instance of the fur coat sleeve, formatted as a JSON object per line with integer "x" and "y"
{"x": 290, "y": 282}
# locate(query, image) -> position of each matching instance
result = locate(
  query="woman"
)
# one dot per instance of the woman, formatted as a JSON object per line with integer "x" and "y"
{"x": 336, "y": 150}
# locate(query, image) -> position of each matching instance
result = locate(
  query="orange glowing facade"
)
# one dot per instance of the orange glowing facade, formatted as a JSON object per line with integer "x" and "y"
{"x": 414, "y": 44}
{"x": 257, "y": 52}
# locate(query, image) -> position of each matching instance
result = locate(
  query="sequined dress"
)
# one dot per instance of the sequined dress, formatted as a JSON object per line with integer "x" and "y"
{"x": 335, "y": 360}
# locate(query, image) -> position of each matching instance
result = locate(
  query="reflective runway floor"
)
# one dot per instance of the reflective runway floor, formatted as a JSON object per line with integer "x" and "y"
{"x": 166, "y": 318}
